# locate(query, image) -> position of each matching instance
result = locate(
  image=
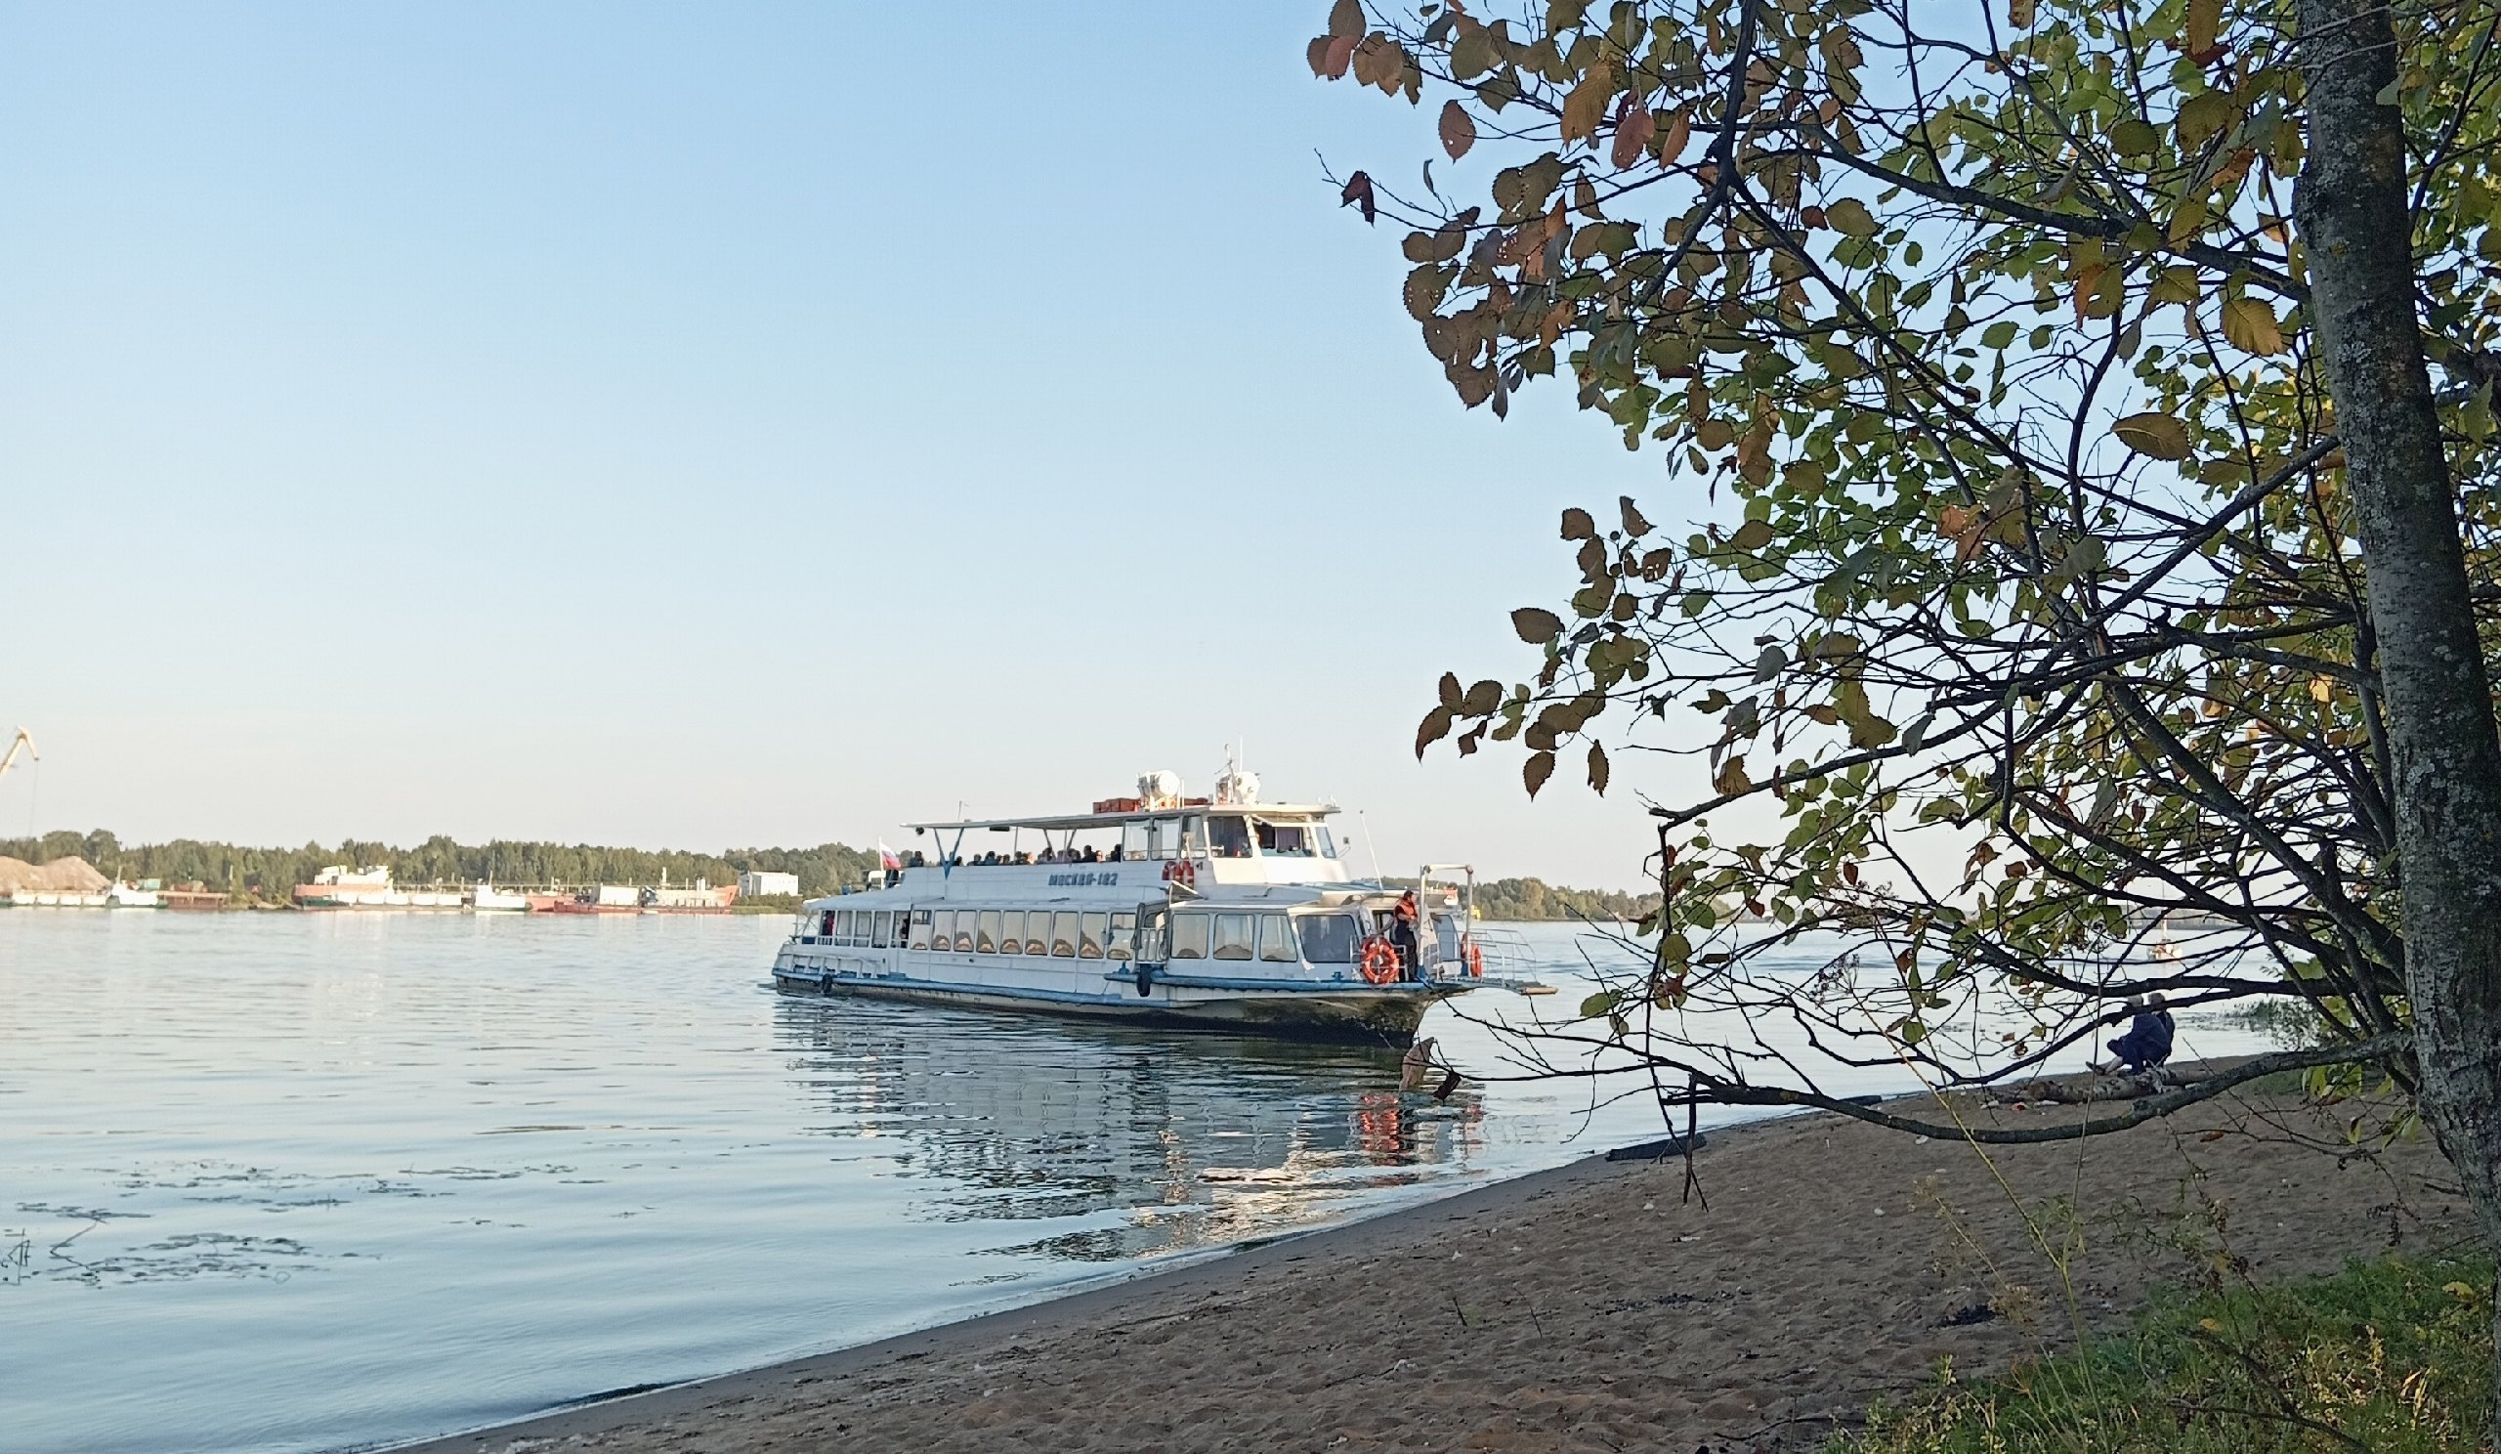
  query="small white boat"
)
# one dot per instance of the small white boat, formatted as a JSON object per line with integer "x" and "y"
{"x": 130, "y": 896}
{"x": 1220, "y": 913}
{"x": 488, "y": 899}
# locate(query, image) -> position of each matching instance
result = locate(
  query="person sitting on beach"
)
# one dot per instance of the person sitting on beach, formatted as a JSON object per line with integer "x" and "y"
{"x": 2148, "y": 1041}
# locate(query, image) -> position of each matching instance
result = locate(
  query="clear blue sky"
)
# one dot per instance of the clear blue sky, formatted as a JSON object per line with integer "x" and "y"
{"x": 708, "y": 425}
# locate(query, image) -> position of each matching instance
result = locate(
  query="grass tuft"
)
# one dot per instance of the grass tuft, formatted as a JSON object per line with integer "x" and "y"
{"x": 2393, "y": 1356}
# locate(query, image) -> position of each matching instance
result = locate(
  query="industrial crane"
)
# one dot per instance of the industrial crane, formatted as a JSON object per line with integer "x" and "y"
{"x": 25, "y": 743}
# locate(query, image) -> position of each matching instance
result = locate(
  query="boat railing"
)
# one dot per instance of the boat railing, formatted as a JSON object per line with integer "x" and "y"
{"x": 1499, "y": 954}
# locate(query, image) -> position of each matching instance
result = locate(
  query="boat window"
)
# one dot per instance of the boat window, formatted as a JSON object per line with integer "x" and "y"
{"x": 963, "y": 931}
{"x": 1292, "y": 840}
{"x": 942, "y": 930}
{"x": 1233, "y": 936}
{"x": 986, "y": 937}
{"x": 827, "y": 929}
{"x": 1328, "y": 938}
{"x": 1064, "y": 934}
{"x": 1328, "y": 840}
{"x": 1276, "y": 939}
{"x": 1189, "y": 936}
{"x": 842, "y": 926}
{"x": 1090, "y": 931}
{"x": 1228, "y": 836}
{"x": 1012, "y": 931}
{"x": 1124, "y": 936}
{"x": 882, "y": 930}
{"x": 920, "y": 928}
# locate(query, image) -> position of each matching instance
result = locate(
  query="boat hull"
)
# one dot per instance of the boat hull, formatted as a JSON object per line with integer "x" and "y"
{"x": 1383, "y": 1015}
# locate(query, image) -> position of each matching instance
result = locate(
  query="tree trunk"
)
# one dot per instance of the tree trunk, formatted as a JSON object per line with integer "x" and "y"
{"x": 2357, "y": 229}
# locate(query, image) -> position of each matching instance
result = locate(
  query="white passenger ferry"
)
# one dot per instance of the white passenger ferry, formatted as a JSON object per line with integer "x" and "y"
{"x": 1218, "y": 913}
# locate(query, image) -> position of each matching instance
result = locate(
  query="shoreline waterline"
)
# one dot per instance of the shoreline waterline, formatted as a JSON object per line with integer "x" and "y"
{"x": 1186, "y": 1272}
{"x": 1827, "y": 1264}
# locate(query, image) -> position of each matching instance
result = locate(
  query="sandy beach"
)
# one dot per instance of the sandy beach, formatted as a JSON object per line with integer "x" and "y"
{"x": 1590, "y": 1308}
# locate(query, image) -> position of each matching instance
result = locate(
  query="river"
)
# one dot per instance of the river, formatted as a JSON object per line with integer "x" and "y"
{"x": 293, "y": 1182}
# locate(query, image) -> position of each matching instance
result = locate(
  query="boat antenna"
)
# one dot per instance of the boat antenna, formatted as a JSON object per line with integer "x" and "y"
{"x": 1370, "y": 847}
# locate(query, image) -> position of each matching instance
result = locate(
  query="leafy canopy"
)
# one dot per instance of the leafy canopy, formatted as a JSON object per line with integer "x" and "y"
{"x": 1975, "y": 339}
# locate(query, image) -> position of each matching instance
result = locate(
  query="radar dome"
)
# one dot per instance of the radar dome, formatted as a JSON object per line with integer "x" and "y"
{"x": 1160, "y": 786}
{"x": 1238, "y": 785}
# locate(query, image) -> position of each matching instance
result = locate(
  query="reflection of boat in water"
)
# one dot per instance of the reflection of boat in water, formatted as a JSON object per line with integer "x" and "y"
{"x": 1222, "y": 913}
{"x": 1121, "y": 1142}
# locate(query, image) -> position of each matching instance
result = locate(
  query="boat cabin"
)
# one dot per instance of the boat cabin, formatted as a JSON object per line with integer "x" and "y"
{"x": 1257, "y": 843}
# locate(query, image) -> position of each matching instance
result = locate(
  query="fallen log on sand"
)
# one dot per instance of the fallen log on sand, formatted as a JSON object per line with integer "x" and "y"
{"x": 2085, "y": 1090}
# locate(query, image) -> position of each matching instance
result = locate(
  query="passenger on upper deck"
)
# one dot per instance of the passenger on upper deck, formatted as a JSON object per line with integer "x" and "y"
{"x": 1116, "y": 855}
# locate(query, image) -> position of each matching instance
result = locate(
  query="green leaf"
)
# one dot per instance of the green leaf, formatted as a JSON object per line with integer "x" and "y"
{"x": 2153, "y": 434}
{"x": 1473, "y": 54}
{"x": 1999, "y": 334}
{"x": 1850, "y": 217}
{"x": 1752, "y": 535}
{"x": 2203, "y": 116}
{"x": 1536, "y": 625}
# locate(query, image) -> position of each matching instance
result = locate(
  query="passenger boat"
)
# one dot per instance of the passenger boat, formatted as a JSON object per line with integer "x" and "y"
{"x": 1214, "y": 913}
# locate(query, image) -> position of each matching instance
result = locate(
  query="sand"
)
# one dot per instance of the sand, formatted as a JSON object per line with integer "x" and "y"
{"x": 1590, "y": 1309}
{"x": 60, "y": 876}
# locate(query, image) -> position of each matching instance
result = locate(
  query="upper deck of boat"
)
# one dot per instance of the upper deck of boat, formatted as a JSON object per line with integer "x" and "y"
{"x": 1132, "y": 850}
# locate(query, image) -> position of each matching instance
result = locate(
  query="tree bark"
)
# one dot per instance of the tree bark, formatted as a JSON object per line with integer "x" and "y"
{"x": 2445, "y": 762}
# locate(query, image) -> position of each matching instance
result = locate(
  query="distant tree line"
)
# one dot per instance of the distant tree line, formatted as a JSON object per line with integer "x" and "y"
{"x": 1534, "y": 898}
{"x": 271, "y": 874}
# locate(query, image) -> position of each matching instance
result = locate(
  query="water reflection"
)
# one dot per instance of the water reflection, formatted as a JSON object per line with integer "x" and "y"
{"x": 1136, "y": 1143}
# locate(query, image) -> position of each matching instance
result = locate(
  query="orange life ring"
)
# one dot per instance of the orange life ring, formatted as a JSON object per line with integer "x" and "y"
{"x": 1380, "y": 963}
{"x": 1181, "y": 871}
{"x": 1476, "y": 960}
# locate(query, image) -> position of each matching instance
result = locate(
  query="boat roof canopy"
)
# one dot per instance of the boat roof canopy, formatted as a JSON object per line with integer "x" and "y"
{"x": 1065, "y": 822}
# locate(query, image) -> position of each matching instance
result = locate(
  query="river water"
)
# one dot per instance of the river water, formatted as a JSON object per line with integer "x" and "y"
{"x": 297, "y": 1182}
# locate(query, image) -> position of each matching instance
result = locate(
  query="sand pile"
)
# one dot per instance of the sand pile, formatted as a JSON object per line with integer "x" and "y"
{"x": 61, "y": 876}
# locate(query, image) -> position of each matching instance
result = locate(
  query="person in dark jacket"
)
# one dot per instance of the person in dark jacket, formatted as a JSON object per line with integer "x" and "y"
{"x": 2148, "y": 1041}
{"x": 1402, "y": 934}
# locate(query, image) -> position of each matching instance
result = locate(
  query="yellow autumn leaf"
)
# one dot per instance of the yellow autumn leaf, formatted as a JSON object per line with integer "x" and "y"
{"x": 1588, "y": 103}
{"x": 2154, "y": 434}
{"x": 2205, "y": 24}
{"x": 2250, "y": 324}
